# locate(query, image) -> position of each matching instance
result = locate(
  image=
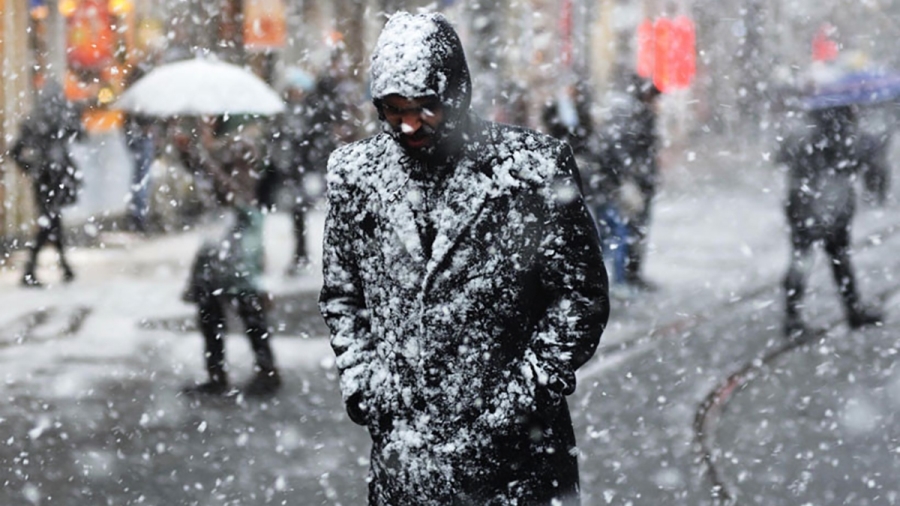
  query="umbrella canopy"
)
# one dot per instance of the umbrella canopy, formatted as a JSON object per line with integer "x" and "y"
{"x": 200, "y": 87}
{"x": 860, "y": 87}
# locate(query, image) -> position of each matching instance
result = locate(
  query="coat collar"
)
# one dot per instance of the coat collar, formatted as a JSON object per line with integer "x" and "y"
{"x": 462, "y": 200}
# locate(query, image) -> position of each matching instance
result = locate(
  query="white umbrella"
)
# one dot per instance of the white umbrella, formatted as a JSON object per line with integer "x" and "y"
{"x": 200, "y": 87}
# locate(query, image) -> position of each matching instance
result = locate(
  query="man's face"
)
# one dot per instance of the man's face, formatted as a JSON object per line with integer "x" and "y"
{"x": 416, "y": 120}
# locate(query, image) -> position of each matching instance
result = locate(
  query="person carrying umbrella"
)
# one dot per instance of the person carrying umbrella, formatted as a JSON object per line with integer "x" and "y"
{"x": 226, "y": 273}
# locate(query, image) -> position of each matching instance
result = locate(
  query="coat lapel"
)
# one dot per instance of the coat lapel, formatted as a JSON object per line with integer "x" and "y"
{"x": 394, "y": 192}
{"x": 462, "y": 201}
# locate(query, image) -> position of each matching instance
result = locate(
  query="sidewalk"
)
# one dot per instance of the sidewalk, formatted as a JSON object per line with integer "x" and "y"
{"x": 719, "y": 248}
{"x": 813, "y": 423}
{"x": 92, "y": 411}
{"x": 92, "y": 370}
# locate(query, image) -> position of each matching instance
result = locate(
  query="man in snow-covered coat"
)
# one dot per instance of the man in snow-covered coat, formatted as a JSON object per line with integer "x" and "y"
{"x": 463, "y": 286}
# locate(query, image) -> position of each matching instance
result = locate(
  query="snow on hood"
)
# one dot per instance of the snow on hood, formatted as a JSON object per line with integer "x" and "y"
{"x": 421, "y": 55}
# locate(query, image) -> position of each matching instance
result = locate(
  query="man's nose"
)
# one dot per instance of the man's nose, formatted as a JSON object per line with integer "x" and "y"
{"x": 411, "y": 122}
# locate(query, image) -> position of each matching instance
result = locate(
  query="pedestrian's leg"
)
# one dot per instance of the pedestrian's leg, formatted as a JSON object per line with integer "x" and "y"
{"x": 59, "y": 241}
{"x": 605, "y": 230}
{"x": 620, "y": 258}
{"x": 143, "y": 159}
{"x": 253, "y": 313}
{"x": 795, "y": 283}
{"x": 838, "y": 248}
{"x": 211, "y": 320}
{"x": 638, "y": 229}
{"x": 40, "y": 239}
{"x": 300, "y": 255}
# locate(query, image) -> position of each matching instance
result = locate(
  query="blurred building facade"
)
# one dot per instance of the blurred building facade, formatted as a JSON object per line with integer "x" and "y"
{"x": 521, "y": 52}
{"x": 15, "y": 87}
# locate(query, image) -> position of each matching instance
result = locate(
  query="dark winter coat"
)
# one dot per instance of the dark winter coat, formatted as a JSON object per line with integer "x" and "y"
{"x": 629, "y": 144}
{"x": 42, "y": 150}
{"x": 823, "y": 165}
{"x": 459, "y": 361}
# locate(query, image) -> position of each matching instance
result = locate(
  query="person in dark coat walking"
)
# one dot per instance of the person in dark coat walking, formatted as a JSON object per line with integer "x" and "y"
{"x": 634, "y": 157}
{"x": 823, "y": 165}
{"x": 463, "y": 286}
{"x": 42, "y": 152}
{"x": 141, "y": 132}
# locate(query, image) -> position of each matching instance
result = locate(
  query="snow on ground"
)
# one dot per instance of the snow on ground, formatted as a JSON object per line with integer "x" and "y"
{"x": 129, "y": 280}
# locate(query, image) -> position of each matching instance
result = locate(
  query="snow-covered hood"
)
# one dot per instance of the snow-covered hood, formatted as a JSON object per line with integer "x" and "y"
{"x": 421, "y": 55}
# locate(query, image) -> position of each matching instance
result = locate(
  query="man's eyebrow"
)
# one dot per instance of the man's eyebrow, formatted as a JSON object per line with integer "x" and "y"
{"x": 431, "y": 104}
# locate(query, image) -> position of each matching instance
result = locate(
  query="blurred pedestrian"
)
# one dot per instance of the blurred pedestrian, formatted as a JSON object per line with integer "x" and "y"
{"x": 295, "y": 143}
{"x": 225, "y": 274}
{"x": 140, "y": 137}
{"x": 823, "y": 164}
{"x": 631, "y": 133}
{"x": 463, "y": 286}
{"x": 513, "y": 108}
{"x": 568, "y": 118}
{"x": 611, "y": 208}
{"x": 42, "y": 152}
{"x": 194, "y": 143}
{"x": 875, "y": 168}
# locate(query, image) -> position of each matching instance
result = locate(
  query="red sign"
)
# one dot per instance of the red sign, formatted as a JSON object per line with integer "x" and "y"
{"x": 646, "y": 52}
{"x": 667, "y": 52}
{"x": 265, "y": 25}
{"x": 90, "y": 38}
{"x": 823, "y": 48}
{"x": 684, "y": 53}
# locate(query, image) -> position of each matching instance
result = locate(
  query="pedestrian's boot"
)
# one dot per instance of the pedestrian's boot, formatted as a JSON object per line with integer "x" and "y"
{"x": 267, "y": 380}
{"x": 298, "y": 266}
{"x": 858, "y": 314}
{"x": 862, "y": 316}
{"x": 217, "y": 384}
{"x": 794, "y": 289}
{"x": 794, "y": 327}
{"x": 68, "y": 275}
{"x": 265, "y": 384}
{"x": 28, "y": 279}
{"x": 640, "y": 283}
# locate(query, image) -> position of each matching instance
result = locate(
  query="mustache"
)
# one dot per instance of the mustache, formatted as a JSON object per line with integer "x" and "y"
{"x": 423, "y": 132}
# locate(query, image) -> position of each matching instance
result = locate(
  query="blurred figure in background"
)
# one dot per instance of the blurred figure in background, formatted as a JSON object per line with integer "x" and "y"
{"x": 602, "y": 176}
{"x": 823, "y": 164}
{"x": 42, "y": 152}
{"x": 194, "y": 145}
{"x": 140, "y": 137}
{"x": 288, "y": 146}
{"x": 226, "y": 273}
{"x": 513, "y": 106}
{"x": 568, "y": 118}
{"x": 632, "y": 150}
{"x": 323, "y": 112}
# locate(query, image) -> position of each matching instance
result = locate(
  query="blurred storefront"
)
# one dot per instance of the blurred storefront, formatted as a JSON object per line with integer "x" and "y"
{"x": 15, "y": 207}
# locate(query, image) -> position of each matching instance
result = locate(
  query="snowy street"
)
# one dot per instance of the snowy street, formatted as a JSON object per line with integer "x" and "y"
{"x": 694, "y": 392}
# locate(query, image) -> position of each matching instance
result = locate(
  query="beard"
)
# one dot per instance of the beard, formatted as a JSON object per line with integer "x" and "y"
{"x": 423, "y": 146}
{"x": 443, "y": 146}
{"x": 422, "y": 143}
